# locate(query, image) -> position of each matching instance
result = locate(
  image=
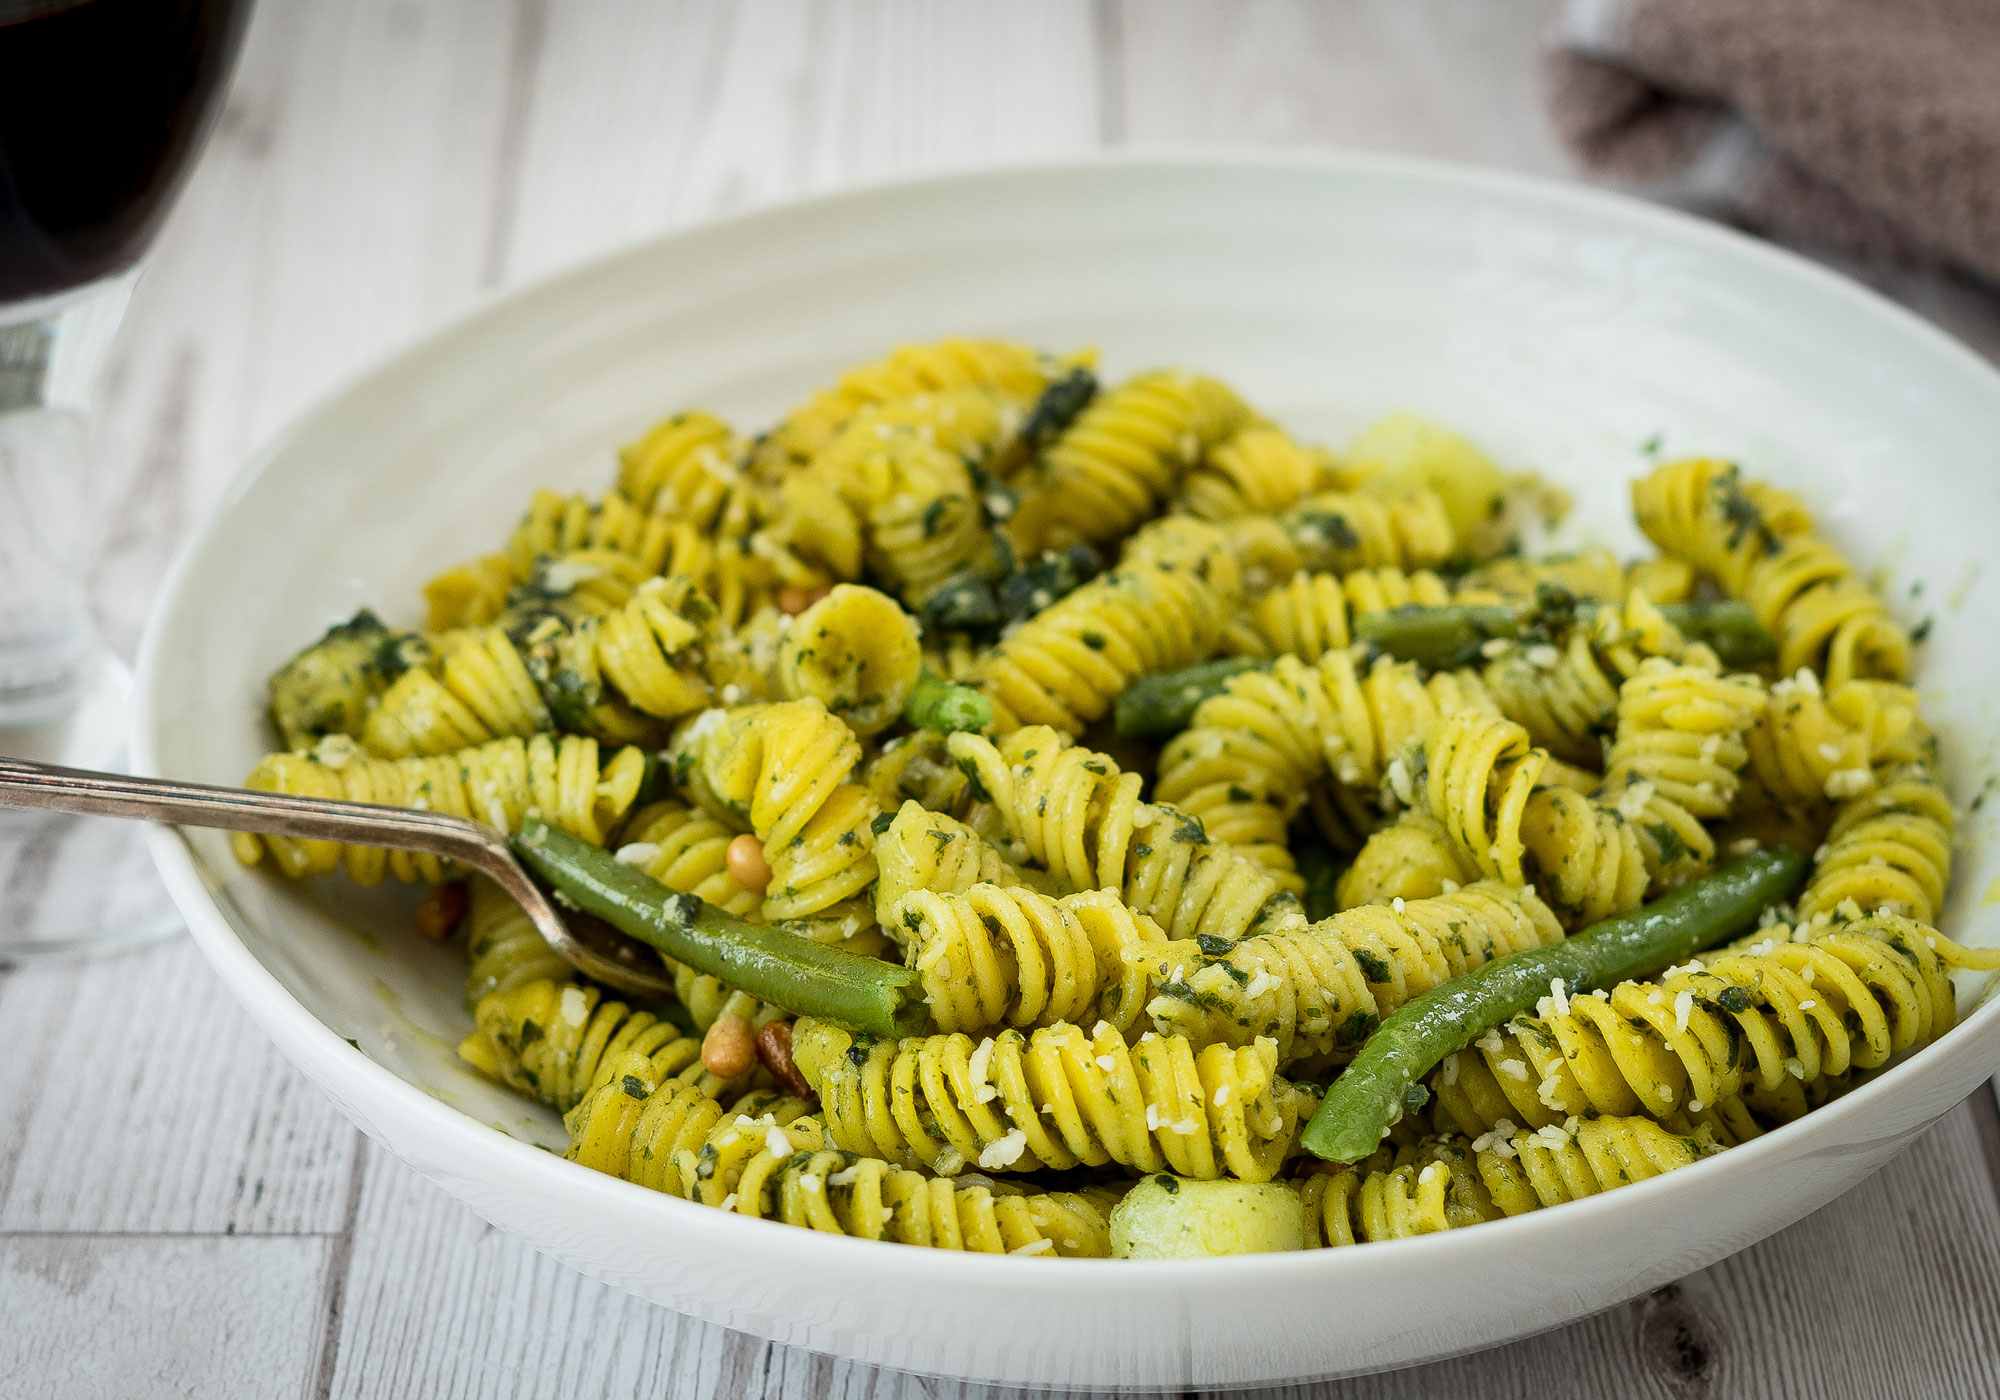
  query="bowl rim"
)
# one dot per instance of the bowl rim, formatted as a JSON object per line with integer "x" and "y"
{"x": 311, "y": 1043}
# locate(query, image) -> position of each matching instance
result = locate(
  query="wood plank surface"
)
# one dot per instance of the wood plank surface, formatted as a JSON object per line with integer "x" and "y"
{"x": 179, "y": 1212}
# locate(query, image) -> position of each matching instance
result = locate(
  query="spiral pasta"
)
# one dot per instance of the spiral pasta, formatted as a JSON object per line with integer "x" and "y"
{"x": 1764, "y": 1020}
{"x": 1122, "y": 458}
{"x": 1888, "y": 849}
{"x": 1258, "y": 470}
{"x": 1248, "y": 761}
{"x": 779, "y": 770}
{"x": 1479, "y": 774}
{"x": 1067, "y": 664}
{"x": 1339, "y": 531}
{"x": 495, "y": 783}
{"x": 1324, "y": 987}
{"x": 503, "y": 947}
{"x": 856, "y": 653}
{"x": 1817, "y": 743}
{"x": 1757, "y": 542}
{"x": 1058, "y": 1097}
{"x": 991, "y": 956}
{"x": 1080, "y": 818}
{"x": 1412, "y": 857}
{"x": 1312, "y": 614}
{"x": 556, "y": 1041}
{"x": 1449, "y": 1184}
{"x": 1017, "y": 372}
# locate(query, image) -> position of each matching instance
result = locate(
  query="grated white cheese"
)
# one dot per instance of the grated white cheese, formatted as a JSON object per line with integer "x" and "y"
{"x": 1260, "y": 984}
{"x": 1152, "y": 1118}
{"x": 574, "y": 1006}
{"x": 1428, "y": 1174}
{"x": 1848, "y": 782}
{"x": 1559, "y": 996}
{"x": 1514, "y": 1069}
{"x": 729, "y": 1201}
{"x": 777, "y": 1144}
{"x": 1043, "y": 1246}
{"x": 1491, "y": 1042}
{"x": 1448, "y": 1071}
{"x": 1808, "y": 1004}
{"x": 1106, "y": 1063}
{"x": 1397, "y": 904}
{"x": 1004, "y": 1151}
{"x": 636, "y": 853}
{"x": 1696, "y": 1105}
{"x": 1552, "y": 1137}
{"x": 1655, "y": 997}
{"x": 1632, "y": 802}
{"x": 1221, "y": 1095}
{"x": 1683, "y": 1009}
{"x": 810, "y": 1185}
{"x": 1795, "y": 1068}
{"x": 846, "y": 1176}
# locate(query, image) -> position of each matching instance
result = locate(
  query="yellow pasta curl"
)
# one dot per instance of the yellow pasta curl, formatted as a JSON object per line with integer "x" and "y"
{"x": 1058, "y": 1098}
{"x": 1760, "y": 1020}
{"x": 1412, "y": 857}
{"x": 1324, "y": 987}
{"x": 1312, "y": 614}
{"x": 684, "y": 467}
{"x": 1079, "y": 817}
{"x": 1817, "y": 743}
{"x": 779, "y": 770}
{"x": 650, "y": 1129}
{"x": 1068, "y": 663}
{"x": 856, "y": 652}
{"x": 1259, "y": 470}
{"x": 1889, "y": 848}
{"x": 1249, "y": 759}
{"x": 1757, "y": 542}
{"x": 1339, "y": 532}
{"x": 991, "y": 956}
{"x": 1449, "y": 1184}
{"x": 1122, "y": 458}
{"x": 503, "y": 946}
{"x": 1017, "y": 372}
{"x": 1479, "y": 773}
{"x": 495, "y": 783}
{"x": 557, "y": 1041}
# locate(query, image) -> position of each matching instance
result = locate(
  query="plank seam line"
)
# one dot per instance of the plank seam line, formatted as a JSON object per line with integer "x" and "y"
{"x": 1107, "y": 32}
{"x": 168, "y": 1234}
{"x": 339, "y": 1260}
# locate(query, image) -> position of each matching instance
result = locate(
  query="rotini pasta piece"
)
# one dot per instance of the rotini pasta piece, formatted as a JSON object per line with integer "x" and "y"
{"x": 1080, "y": 818}
{"x": 1767, "y": 1019}
{"x": 780, "y": 771}
{"x": 1058, "y": 1097}
{"x": 1817, "y": 743}
{"x": 856, "y": 652}
{"x": 1065, "y": 666}
{"x": 1480, "y": 771}
{"x": 495, "y": 783}
{"x": 482, "y": 691}
{"x": 991, "y": 956}
{"x": 1122, "y": 458}
{"x": 503, "y": 946}
{"x": 790, "y": 1177}
{"x": 1016, "y": 372}
{"x": 468, "y": 595}
{"x": 684, "y": 467}
{"x": 1452, "y": 1184}
{"x": 924, "y": 850}
{"x": 1258, "y": 470}
{"x": 1757, "y": 542}
{"x": 1889, "y": 849}
{"x": 653, "y": 649}
{"x": 1324, "y": 987}
{"x": 1313, "y": 614}
{"x": 1589, "y": 857}
{"x": 1339, "y": 532}
{"x": 1253, "y": 754}
{"x": 331, "y": 686}
{"x": 557, "y": 1041}
{"x": 1412, "y": 857}
{"x": 650, "y": 1129}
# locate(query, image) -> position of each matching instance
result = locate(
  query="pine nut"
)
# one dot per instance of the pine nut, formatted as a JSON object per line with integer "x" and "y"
{"x": 729, "y": 1048}
{"x": 774, "y": 1048}
{"x": 794, "y": 600}
{"x": 746, "y": 862}
{"x": 441, "y": 909}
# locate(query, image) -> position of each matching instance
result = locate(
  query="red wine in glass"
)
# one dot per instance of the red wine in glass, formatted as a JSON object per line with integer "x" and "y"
{"x": 103, "y": 105}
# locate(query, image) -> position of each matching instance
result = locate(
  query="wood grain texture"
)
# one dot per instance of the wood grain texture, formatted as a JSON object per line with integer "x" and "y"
{"x": 113, "y": 1317}
{"x": 383, "y": 164}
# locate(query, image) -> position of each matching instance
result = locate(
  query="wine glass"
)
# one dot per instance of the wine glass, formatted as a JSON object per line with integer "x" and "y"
{"x": 103, "y": 107}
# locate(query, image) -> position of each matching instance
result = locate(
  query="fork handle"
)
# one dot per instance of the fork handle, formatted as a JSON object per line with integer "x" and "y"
{"x": 48, "y": 788}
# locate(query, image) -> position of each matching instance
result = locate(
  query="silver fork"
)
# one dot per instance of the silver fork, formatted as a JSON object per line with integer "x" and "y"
{"x": 594, "y": 948}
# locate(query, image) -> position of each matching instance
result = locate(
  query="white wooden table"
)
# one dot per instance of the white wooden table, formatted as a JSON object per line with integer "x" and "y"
{"x": 180, "y": 1213}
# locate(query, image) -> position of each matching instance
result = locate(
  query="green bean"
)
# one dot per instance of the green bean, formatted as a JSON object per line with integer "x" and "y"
{"x": 1454, "y": 635}
{"x": 768, "y": 962}
{"x": 1370, "y": 1094}
{"x": 1165, "y": 704}
{"x": 936, "y": 703}
{"x": 1730, "y": 628}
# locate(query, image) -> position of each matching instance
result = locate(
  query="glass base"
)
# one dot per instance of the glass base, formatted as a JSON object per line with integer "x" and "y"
{"x": 74, "y": 886}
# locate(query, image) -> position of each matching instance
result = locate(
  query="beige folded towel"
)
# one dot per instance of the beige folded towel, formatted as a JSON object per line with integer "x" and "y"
{"x": 1869, "y": 125}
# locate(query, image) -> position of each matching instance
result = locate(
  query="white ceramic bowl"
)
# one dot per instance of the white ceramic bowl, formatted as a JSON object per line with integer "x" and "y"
{"x": 1559, "y": 328}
